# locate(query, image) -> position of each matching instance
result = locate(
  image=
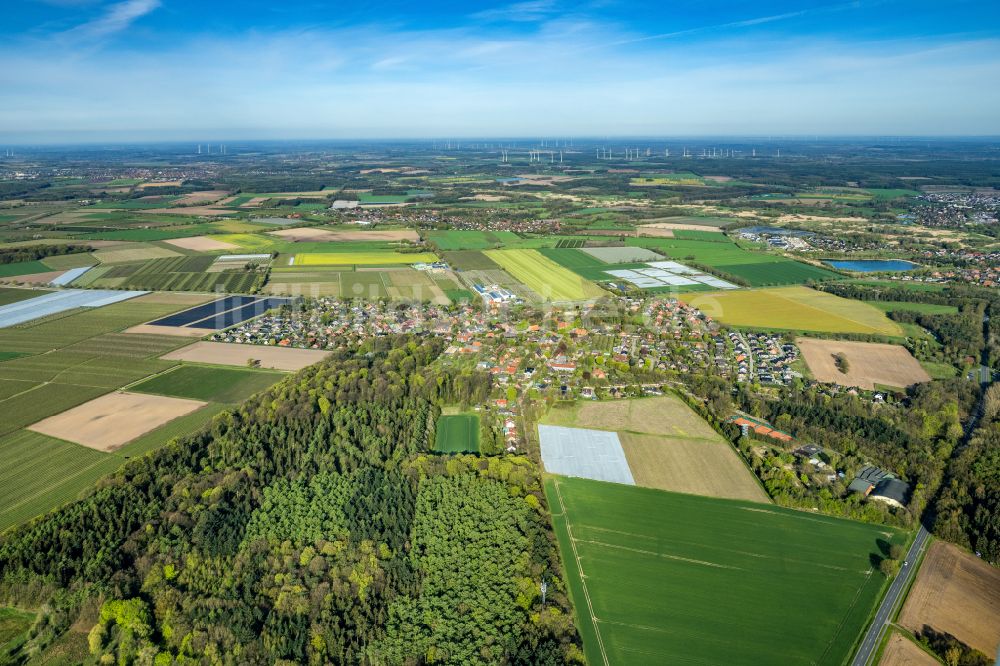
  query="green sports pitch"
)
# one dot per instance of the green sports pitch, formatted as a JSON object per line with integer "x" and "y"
{"x": 457, "y": 433}
{"x": 666, "y": 578}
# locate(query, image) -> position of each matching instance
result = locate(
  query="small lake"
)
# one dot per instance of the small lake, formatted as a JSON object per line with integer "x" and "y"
{"x": 872, "y": 265}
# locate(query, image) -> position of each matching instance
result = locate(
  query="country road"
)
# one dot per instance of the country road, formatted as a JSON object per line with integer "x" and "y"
{"x": 892, "y": 598}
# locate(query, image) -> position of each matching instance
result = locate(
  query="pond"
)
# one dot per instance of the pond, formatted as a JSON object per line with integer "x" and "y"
{"x": 872, "y": 265}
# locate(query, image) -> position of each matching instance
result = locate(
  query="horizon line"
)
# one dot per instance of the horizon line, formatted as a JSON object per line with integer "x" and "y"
{"x": 810, "y": 136}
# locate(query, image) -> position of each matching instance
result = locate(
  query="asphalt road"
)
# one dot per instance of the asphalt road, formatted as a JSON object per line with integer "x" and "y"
{"x": 874, "y": 636}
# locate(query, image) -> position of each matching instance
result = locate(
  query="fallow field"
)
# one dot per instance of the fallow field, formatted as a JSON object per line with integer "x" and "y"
{"x": 868, "y": 363}
{"x": 956, "y": 593}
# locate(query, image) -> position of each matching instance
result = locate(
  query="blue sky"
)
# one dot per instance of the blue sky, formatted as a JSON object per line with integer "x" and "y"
{"x": 224, "y": 70}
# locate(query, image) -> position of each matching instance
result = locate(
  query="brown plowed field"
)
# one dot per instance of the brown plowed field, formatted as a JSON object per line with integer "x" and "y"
{"x": 869, "y": 363}
{"x": 901, "y": 651}
{"x": 108, "y": 422}
{"x": 221, "y": 353}
{"x": 957, "y": 593}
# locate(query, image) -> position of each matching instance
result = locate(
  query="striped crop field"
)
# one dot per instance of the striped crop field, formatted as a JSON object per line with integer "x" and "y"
{"x": 545, "y": 277}
{"x": 360, "y": 258}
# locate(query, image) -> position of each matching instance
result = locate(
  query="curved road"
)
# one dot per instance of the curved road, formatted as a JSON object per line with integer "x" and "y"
{"x": 892, "y": 598}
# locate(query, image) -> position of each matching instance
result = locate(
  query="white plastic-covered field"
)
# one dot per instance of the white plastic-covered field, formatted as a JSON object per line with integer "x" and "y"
{"x": 658, "y": 274}
{"x": 60, "y": 301}
{"x": 70, "y": 275}
{"x": 584, "y": 453}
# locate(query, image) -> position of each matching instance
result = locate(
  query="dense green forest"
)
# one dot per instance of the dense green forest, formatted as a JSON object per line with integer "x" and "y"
{"x": 309, "y": 525}
{"x": 968, "y": 508}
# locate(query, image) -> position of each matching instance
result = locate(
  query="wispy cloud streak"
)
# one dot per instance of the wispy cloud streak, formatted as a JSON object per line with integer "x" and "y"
{"x": 116, "y": 18}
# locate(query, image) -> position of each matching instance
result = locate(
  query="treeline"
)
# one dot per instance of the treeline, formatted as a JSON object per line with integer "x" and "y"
{"x": 308, "y": 525}
{"x": 968, "y": 508}
{"x": 912, "y": 437}
{"x": 962, "y": 335}
{"x": 14, "y": 255}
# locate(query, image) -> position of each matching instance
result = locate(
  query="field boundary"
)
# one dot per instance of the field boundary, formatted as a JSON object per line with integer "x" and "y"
{"x": 593, "y": 621}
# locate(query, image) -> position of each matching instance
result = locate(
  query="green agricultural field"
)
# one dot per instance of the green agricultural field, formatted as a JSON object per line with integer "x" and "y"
{"x": 901, "y": 284}
{"x": 891, "y": 193}
{"x": 469, "y": 260}
{"x": 211, "y": 384}
{"x": 180, "y": 273}
{"x": 65, "y": 262}
{"x": 471, "y": 240}
{"x": 367, "y": 285}
{"x": 23, "y": 268}
{"x": 666, "y": 578}
{"x": 41, "y": 473}
{"x": 398, "y": 283}
{"x": 544, "y": 276}
{"x": 698, "y": 235}
{"x": 10, "y": 295}
{"x": 457, "y": 433}
{"x": 135, "y": 204}
{"x": 759, "y": 269}
{"x": 74, "y": 357}
{"x": 383, "y": 198}
{"x": 794, "y": 308}
{"x": 922, "y": 308}
{"x": 64, "y": 361}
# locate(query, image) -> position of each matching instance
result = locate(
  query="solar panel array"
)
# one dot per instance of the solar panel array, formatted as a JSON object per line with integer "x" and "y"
{"x": 60, "y": 301}
{"x": 584, "y": 453}
{"x": 222, "y": 313}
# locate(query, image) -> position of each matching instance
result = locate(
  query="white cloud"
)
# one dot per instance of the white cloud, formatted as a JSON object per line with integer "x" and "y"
{"x": 521, "y": 12}
{"x": 373, "y": 81}
{"x": 116, "y": 18}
